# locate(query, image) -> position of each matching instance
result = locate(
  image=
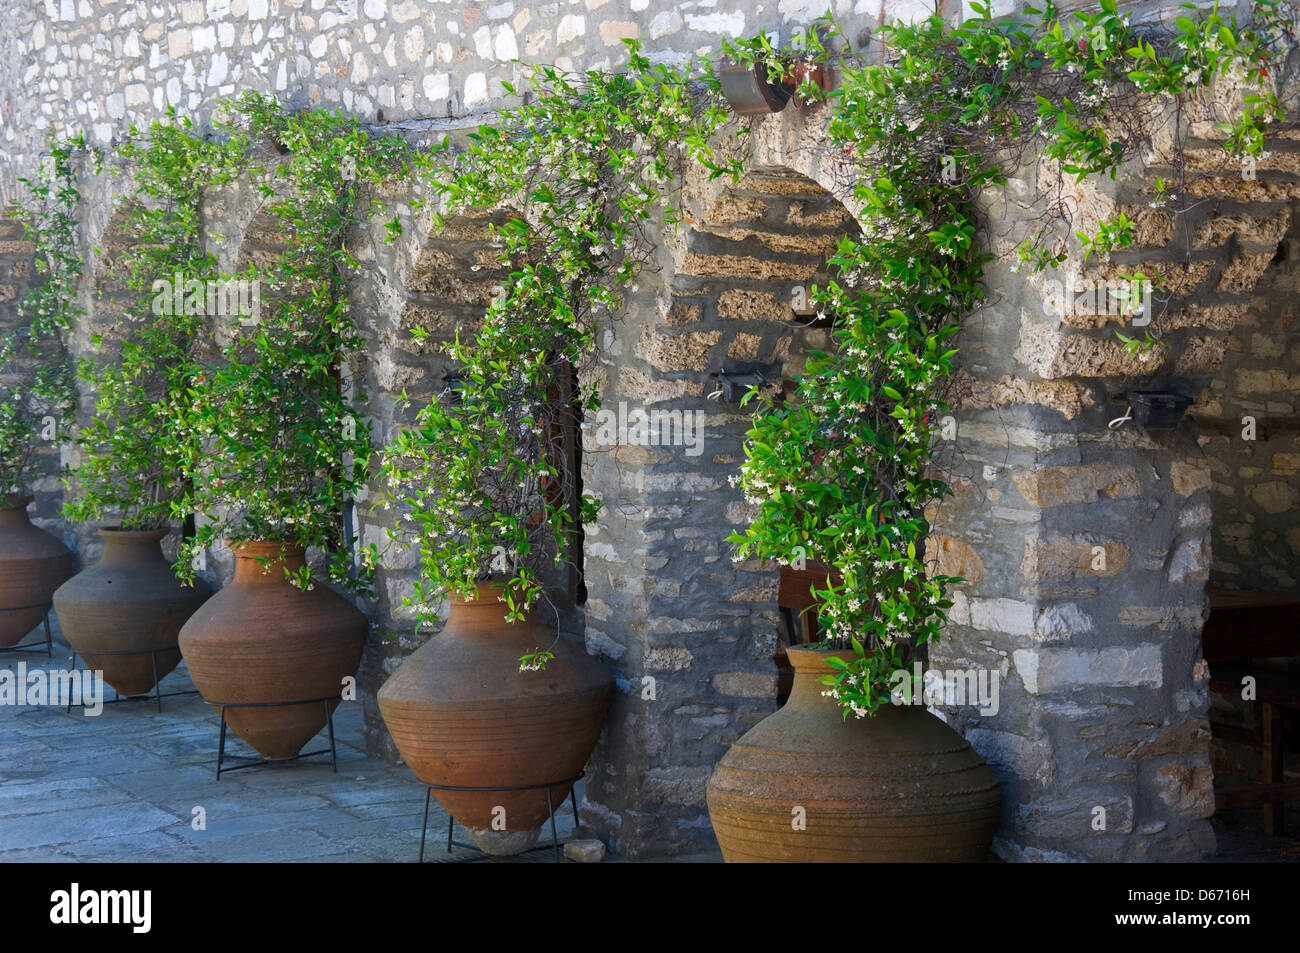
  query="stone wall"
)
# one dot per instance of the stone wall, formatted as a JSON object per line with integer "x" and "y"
{"x": 1103, "y": 694}
{"x": 1088, "y": 548}
{"x": 1255, "y": 483}
{"x": 101, "y": 66}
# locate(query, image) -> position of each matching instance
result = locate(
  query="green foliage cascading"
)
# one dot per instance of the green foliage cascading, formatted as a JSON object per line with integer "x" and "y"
{"x": 842, "y": 476}
{"x": 484, "y": 478}
{"x": 38, "y": 392}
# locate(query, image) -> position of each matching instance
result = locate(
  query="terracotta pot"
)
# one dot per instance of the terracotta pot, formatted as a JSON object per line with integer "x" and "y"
{"x": 795, "y": 594}
{"x": 263, "y": 641}
{"x": 748, "y": 91}
{"x": 32, "y": 565}
{"x": 815, "y": 73}
{"x": 129, "y": 601}
{"x": 462, "y": 714}
{"x": 899, "y": 786}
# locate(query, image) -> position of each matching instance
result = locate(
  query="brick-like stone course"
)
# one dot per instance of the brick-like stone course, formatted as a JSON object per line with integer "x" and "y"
{"x": 1103, "y": 692}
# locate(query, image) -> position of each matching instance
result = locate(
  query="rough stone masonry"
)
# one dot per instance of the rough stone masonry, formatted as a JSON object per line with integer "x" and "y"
{"x": 1085, "y": 549}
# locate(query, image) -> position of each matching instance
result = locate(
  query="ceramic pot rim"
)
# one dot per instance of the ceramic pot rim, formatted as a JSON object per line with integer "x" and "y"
{"x": 133, "y": 535}
{"x": 489, "y": 593}
{"x": 265, "y": 548}
{"x": 804, "y": 658}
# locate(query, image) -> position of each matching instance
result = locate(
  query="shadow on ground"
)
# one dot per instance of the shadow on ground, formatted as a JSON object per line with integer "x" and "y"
{"x": 128, "y": 783}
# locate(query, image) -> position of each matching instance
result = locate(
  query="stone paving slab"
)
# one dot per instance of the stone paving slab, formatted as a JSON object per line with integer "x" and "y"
{"x": 123, "y": 785}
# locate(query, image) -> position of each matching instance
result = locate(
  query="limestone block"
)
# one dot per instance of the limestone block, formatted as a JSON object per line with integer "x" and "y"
{"x": 1054, "y": 486}
{"x": 745, "y": 684}
{"x": 1049, "y": 670}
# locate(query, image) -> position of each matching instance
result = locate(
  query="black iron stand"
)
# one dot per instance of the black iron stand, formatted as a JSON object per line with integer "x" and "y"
{"x": 28, "y": 646}
{"x": 222, "y": 757}
{"x": 157, "y": 694}
{"x": 550, "y": 811}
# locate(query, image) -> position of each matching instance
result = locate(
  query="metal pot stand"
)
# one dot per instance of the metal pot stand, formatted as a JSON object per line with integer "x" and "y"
{"x": 29, "y": 646}
{"x": 253, "y": 762}
{"x": 550, "y": 805}
{"x": 157, "y": 693}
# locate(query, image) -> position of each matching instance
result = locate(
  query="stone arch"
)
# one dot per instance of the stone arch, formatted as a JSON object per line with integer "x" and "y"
{"x": 690, "y": 635}
{"x": 448, "y": 289}
{"x": 1088, "y": 547}
{"x": 440, "y": 286}
{"x": 1103, "y": 695}
{"x": 108, "y": 300}
{"x": 115, "y": 311}
{"x": 261, "y": 245}
{"x": 1247, "y": 420}
{"x": 109, "y": 273}
{"x": 747, "y": 272}
{"x": 106, "y": 241}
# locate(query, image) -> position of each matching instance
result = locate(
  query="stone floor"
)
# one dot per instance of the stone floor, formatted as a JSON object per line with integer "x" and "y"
{"x": 124, "y": 785}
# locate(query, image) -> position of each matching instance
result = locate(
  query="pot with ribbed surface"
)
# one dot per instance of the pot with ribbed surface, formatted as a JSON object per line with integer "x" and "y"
{"x": 463, "y": 715}
{"x": 32, "y": 565}
{"x": 263, "y": 641}
{"x": 129, "y": 601}
{"x": 898, "y": 786}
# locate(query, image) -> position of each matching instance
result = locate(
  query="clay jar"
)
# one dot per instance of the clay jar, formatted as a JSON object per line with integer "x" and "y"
{"x": 128, "y": 602}
{"x": 463, "y": 715}
{"x": 262, "y": 641}
{"x": 898, "y": 786}
{"x": 32, "y": 565}
{"x": 748, "y": 91}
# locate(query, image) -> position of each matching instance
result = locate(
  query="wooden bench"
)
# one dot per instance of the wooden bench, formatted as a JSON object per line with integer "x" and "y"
{"x": 1244, "y": 625}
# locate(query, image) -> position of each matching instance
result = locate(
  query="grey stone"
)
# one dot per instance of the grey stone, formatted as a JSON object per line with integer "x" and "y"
{"x": 585, "y": 851}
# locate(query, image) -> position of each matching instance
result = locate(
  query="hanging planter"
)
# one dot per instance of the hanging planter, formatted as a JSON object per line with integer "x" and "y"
{"x": 804, "y": 71}
{"x": 748, "y": 91}
{"x": 757, "y": 78}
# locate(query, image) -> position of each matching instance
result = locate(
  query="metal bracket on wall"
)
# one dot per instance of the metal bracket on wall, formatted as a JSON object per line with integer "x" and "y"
{"x": 453, "y": 385}
{"x": 1154, "y": 409}
{"x": 735, "y": 379}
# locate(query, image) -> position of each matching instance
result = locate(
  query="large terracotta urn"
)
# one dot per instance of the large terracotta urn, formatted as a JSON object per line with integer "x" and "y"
{"x": 32, "y": 565}
{"x": 128, "y": 602}
{"x": 263, "y": 642}
{"x": 463, "y": 715}
{"x": 805, "y": 785}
